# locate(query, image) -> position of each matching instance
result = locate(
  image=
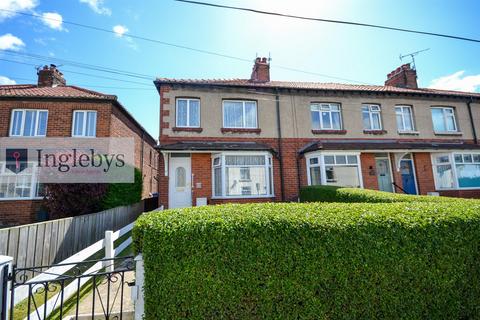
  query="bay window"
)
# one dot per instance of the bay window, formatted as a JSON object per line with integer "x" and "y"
{"x": 443, "y": 119}
{"x": 242, "y": 175}
{"x": 188, "y": 113}
{"x": 326, "y": 116}
{"x": 371, "y": 117}
{"x": 456, "y": 170}
{"x": 22, "y": 185}
{"x": 28, "y": 123}
{"x": 339, "y": 169}
{"x": 240, "y": 114}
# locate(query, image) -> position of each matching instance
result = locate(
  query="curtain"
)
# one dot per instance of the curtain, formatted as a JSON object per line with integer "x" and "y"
{"x": 42, "y": 123}
{"x": 233, "y": 114}
{"x": 78, "y": 124}
{"x": 91, "y": 124}
{"x": 182, "y": 113}
{"x": 17, "y": 122}
{"x": 244, "y": 160}
{"x": 194, "y": 113}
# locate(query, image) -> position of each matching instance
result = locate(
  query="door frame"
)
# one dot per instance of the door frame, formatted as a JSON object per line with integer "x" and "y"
{"x": 389, "y": 160}
{"x": 413, "y": 170}
{"x": 171, "y": 177}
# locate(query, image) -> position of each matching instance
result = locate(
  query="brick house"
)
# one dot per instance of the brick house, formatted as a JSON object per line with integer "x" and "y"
{"x": 245, "y": 140}
{"x": 50, "y": 108}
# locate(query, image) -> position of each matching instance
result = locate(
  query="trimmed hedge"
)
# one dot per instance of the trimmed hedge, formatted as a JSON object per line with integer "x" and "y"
{"x": 124, "y": 194}
{"x": 312, "y": 261}
{"x": 341, "y": 194}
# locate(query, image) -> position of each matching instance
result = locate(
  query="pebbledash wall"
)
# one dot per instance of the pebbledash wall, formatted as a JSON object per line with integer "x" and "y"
{"x": 112, "y": 121}
{"x": 297, "y": 132}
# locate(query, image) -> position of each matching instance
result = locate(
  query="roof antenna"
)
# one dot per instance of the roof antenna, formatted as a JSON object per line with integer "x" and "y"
{"x": 412, "y": 56}
{"x": 269, "y": 57}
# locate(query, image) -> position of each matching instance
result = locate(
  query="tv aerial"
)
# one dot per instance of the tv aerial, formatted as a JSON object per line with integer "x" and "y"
{"x": 412, "y": 56}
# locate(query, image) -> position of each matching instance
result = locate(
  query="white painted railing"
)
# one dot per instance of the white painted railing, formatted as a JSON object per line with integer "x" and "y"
{"x": 54, "y": 272}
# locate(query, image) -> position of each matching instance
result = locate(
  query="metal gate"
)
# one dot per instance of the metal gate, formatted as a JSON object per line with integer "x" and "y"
{"x": 92, "y": 289}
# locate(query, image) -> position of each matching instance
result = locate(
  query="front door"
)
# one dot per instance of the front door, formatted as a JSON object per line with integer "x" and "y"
{"x": 383, "y": 175}
{"x": 408, "y": 176}
{"x": 180, "y": 181}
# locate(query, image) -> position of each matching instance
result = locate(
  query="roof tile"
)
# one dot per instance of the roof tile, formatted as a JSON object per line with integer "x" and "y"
{"x": 31, "y": 90}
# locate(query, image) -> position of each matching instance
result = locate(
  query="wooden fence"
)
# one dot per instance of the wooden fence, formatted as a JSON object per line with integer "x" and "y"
{"x": 52, "y": 241}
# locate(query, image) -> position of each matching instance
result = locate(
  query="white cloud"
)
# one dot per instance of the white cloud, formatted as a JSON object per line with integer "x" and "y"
{"x": 5, "y": 80}
{"x": 120, "y": 30}
{"x": 10, "y": 42}
{"x": 97, "y": 6}
{"x": 53, "y": 20}
{"x": 15, "y": 5}
{"x": 457, "y": 82}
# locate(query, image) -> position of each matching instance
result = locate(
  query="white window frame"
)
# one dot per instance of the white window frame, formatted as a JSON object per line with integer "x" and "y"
{"x": 34, "y": 182}
{"x": 244, "y": 122}
{"x": 322, "y": 165}
{"x": 188, "y": 113}
{"x": 84, "y": 125}
{"x": 451, "y": 158}
{"x": 370, "y": 112}
{"x": 330, "y": 111}
{"x": 22, "y": 126}
{"x": 444, "y": 113}
{"x": 268, "y": 177}
{"x": 402, "y": 107}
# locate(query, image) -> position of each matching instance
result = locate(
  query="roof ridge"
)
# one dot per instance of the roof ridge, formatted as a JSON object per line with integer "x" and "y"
{"x": 92, "y": 91}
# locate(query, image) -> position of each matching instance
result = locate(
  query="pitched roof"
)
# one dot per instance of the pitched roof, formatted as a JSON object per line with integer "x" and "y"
{"x": 31, "y": 90}
{"x": 328, "y": 86}
{"x": 385, "y": 145}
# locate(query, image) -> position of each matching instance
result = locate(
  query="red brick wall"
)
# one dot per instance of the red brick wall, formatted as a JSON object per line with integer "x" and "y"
{"x": 369, "y": 171}
{"x": 15, "y": 212}
{"x": 202, "y": 173}
{"x": 424, "y": 172}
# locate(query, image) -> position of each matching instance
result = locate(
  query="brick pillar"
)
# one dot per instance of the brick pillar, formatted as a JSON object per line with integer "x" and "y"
{"x": 424, "y": 172}
{"x": 162, "y": 183}
{"x": 202, "y": 176}
{"x": 369, "y": 172}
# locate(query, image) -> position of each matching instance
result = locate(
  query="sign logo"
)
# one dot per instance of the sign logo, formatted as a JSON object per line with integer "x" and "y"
{"x": 16, "y": 160}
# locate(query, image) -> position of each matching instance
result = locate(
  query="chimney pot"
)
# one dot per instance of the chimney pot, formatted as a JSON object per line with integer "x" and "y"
{"x": 50, "y": 77}
{"x": 260, "y": 71}
{"x": 402, "y": 77}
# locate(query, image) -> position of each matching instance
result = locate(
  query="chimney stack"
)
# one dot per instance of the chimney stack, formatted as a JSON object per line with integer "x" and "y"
{"x": 49, "y": 76}
{"x": 403, "y": 77}
{"x": 261, "y": 71}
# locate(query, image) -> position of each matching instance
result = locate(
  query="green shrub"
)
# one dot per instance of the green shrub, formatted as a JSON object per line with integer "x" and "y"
{"x": 123, "y": 194}
{"x": 340, "y": 194}
{"x": 312, "y": 261}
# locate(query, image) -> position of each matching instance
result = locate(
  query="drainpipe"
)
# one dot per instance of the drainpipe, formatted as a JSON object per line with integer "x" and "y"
{"x": 472, "y": 123}
{"x": 279, "y": 140}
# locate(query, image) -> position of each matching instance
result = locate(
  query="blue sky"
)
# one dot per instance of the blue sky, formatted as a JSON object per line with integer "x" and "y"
{"x": 361, "y": 54}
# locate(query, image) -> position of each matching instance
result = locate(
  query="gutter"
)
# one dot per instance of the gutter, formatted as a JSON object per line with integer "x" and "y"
{"x": 472, "y": 123}
{"x": 279, "y": 141}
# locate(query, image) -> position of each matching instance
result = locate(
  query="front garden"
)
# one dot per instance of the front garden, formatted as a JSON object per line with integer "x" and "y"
{"x": 365, "y": 254}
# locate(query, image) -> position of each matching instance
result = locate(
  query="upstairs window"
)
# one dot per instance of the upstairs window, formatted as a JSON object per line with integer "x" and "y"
{"x": 188, "y": 113}
{"x": 84, "y": 123}
{"x": 240, "y": 114}
{"x": 371, "y": 117}
{"x": 443, "y": 119}
{"x": 326, "y": 116}
{"x": 29, "y": 123}
{"x": 404, "y": 116}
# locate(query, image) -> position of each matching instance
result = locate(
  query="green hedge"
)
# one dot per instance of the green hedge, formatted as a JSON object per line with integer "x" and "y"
{"x": 124, "y": 194}
{"x": 340, "y": 194}
{"x": 312, "y": 261}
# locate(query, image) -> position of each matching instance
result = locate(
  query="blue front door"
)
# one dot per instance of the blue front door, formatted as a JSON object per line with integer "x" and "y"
{"x": 408, "y": 176}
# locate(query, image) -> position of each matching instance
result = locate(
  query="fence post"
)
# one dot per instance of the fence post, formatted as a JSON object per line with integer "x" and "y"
{"x": 109, "y": 251}
{"x": 6, "y": 264}
{"x": 137, "y": 290}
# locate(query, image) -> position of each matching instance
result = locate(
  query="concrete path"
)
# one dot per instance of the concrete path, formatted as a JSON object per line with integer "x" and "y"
{"x": 85, "y": 307}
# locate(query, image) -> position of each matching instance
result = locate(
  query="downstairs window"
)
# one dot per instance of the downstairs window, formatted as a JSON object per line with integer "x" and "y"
{"x": 334, "y": 169}
{"x": 22, "y": 185}
{"x": 456, "y": 170}
{"x": 242, "y": 175}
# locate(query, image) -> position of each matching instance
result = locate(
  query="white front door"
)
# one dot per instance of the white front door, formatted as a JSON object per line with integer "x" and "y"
{"x": 180, "y": 182}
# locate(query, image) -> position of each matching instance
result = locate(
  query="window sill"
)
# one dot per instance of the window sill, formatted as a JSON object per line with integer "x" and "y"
{"x": 411, "y": 133}
{"x": 242, "y": 197}
{"x": 321, "y": 131}
{"x": 21, "y": 199}
{"x": 241, "y": 130}
{"x": 186, "y": 129}
{"x": 374, "y": 131}
{"x": 447, "y": 133}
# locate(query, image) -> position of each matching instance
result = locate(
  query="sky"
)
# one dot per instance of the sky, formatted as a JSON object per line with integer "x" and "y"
{"x": 336, "y": 53}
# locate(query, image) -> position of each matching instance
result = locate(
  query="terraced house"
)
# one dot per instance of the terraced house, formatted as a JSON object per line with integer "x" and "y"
{"x": 245, "y": 140}
{"x": 51, "y": 108}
